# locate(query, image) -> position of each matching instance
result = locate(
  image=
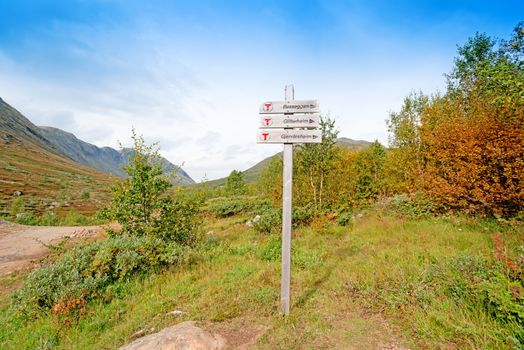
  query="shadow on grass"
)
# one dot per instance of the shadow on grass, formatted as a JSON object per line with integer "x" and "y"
{"x": 309, "y": 292}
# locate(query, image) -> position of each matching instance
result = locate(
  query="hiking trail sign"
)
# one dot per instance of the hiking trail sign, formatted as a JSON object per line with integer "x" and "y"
{"x": 289, "y": 136}
{"x": 289, "y": 106}
{"x": 288, "y": 122}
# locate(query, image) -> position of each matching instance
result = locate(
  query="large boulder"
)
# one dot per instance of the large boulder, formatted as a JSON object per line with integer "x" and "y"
{"x": 183, "y": 336}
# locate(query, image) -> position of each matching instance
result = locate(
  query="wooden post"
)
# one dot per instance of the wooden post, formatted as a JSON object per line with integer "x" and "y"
{"x": 286, "y": 216}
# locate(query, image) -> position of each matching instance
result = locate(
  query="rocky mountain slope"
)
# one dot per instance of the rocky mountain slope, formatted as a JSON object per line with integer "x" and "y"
{"x": 105, "y": 159}
{"x": 37, "y": 177}
{"x": 50, "y": 169}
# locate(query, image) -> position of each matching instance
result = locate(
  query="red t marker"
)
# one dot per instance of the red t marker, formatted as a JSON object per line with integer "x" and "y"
{"x": 265, "y": 135}
{"x": 268, "y": 105}
{"x": 267, "y": 121}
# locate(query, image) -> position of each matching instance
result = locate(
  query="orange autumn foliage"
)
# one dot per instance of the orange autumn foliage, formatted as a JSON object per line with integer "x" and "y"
{"x": 474, "y": 155}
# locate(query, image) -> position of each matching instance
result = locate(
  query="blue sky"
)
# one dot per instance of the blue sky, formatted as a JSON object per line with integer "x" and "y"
{"x": 191, "y": 74}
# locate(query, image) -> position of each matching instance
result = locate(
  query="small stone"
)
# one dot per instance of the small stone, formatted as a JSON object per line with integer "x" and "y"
{"x": 210, "y": 233}
{"x": 249, "y": 223}
{"x": 18, "y": 193}
{"x": 138, "y": 334}
{"x": 176, "y": 313}
{"x": 256, "y": 218}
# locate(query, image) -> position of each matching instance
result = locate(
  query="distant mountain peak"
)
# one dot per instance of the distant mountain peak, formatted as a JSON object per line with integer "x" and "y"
{"x": 17, "y": 127}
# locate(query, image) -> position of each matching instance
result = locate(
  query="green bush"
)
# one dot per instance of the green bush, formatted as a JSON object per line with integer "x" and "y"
{"x": 84, "y": 272}
{"x": 344, "y": 218}
{"x": 85, "y": 195}
{"x": 177, "y": 221}
{"x": 17, "y": 206}
{"x": 230, "y": 206}
{"x": 302, "y": 216}
{"x": 73, "y": 218}
{"x": 26, "y": 219}
{"x": 49, "y": 218}
{"x": 143, "y": 205}
{"x": 224, "y": 207}
{"x": 271, "y": 218}
{"x": 488, "y": 287}
{"x": 272, "y": 251}
{"x": 270, "y": 221}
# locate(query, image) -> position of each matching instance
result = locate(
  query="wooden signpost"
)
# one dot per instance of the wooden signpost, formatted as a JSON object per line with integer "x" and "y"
{"x": 288, "y": 122}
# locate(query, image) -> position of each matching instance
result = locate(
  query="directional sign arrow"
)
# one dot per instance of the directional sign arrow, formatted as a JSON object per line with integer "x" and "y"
{"x": 294, "y": 106}
{"x": 290, "y": 121}
{"x": 289, "y": 136}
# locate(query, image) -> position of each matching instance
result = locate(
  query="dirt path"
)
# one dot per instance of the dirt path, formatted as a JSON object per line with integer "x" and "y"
{"x": 19, "y": 244}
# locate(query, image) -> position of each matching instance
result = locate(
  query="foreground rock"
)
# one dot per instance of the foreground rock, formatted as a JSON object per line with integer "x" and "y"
{"x": 183, "y": 336}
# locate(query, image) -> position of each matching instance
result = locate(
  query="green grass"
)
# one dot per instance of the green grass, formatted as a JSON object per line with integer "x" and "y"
{"x": 384, "y": 280}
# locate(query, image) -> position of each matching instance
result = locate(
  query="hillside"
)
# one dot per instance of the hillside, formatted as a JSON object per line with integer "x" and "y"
{"x": 104, "y": 159}
{"x": 32, "y": 166}
{"x": 15, "y": 127}
{"x": 252, "y": 174}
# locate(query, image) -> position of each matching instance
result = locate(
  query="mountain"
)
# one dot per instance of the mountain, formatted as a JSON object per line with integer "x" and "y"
{"x": 353, "y": 145}
{"x": 254, "y": 172}
{"x": 105, "y": 159}
{"x": 34, "y": 173}
{"x": 51, "y": 167}
{"x": 14, "y": 126}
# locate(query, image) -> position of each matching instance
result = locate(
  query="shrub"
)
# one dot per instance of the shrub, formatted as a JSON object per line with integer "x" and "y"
{"x": 344, "y": 218}
{"x": 224, "y": 207}
{"x": 26, "y": 219}
{"x": 49, "y": 218}
{"x": 17, "y": 206}
{"x": 230, "y": 206}
{"x": 142, "y": 205}
{"x": 474, "y": 282}
{"x": 270, "y": 221}
{"x": 177, "y": 221}
{"x": 272, "y": 251}
{"x": 85, "y": 195}
{"x": 236, "y": 184}
{"x": 83, "y": 272}
{"x": 302, "y": 215}
{"x": 73, "y": 218}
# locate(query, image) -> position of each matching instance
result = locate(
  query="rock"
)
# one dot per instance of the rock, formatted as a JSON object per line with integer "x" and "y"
{"x": 256, "y": 218}
{"x": 18, "y": 193}
{"x": 184, "y": 335}
{"x": 138, "y": 334}
{"x": 249, "y": 223}
{"x": 210, "y": 233}
{"x": 176, "y": 312}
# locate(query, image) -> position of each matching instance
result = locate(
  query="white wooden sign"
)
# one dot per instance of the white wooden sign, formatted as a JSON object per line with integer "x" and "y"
{"x": 290, "y": 121}
{"x": 290, "y": 106}
{"x": 296, "y": 120}
{"x": 289, "y": 136}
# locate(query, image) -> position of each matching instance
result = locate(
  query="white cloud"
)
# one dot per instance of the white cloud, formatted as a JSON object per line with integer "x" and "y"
{"x": 198, "y": 95}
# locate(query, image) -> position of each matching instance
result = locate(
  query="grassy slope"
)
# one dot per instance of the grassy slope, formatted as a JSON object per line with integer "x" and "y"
{"x": 45, "y": 177}
{"x": 352, "y": 288}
